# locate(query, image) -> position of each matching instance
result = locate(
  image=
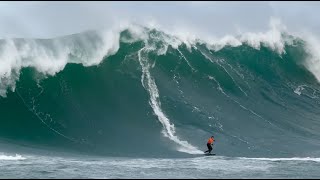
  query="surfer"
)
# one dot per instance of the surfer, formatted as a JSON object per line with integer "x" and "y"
{"x": 209, "y": 144}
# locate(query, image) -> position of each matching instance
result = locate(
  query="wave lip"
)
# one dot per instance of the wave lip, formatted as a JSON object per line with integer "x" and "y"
{"x": 50, "y": 56}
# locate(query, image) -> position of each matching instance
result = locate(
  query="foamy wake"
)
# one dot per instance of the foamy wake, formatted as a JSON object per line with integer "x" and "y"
{"x": 169, "y": 130}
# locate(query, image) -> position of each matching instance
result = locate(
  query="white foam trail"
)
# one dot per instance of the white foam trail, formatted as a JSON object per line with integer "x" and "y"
{"x": 11, "y": 158}
{"x": 192, "y": 68}
{"x": 150, "y": 85}
{"x": 243, "y": 107}
{"x": 207, "y": 57}
{"x": 47, "y": 116}
{"x": 285, "y": 159}
{"x": 237, "y": 72}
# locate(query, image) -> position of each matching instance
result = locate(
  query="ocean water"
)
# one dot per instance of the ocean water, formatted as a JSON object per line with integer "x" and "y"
{"x": 141, "y": 103}
{"x": 35, "y": 166}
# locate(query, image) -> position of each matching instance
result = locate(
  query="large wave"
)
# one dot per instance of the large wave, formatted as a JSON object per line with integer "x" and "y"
{"x": 114, "y": 92}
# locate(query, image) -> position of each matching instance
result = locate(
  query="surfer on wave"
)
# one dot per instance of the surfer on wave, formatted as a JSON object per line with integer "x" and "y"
{"x": 209, "y": 144}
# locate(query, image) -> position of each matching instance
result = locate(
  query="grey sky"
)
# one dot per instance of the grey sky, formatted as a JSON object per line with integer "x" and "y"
{"x": 50, "y": 19}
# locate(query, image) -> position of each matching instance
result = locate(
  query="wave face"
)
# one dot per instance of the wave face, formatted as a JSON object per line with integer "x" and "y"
{"x": 145, "y": 92}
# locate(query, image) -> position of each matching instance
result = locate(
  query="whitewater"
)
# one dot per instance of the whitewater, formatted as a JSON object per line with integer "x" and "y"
{"x": 198, "y": 167}
{"x": 144, "y": 100}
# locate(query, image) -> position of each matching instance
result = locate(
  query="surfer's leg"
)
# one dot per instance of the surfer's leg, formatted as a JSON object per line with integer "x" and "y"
{"x": 208, "y": 145}
{"x": 210, "y": 148}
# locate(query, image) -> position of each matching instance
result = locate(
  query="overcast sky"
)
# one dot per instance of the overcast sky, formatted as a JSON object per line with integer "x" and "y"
{"x": 50, "y": 19}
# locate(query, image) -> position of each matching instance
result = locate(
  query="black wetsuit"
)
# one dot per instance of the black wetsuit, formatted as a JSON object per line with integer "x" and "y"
{"x": 209, "y": 148}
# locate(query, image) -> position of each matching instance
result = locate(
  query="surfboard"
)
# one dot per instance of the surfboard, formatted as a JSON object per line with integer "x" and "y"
{"x": 209, "y": 154}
